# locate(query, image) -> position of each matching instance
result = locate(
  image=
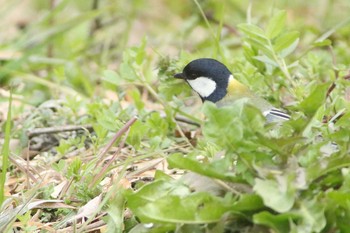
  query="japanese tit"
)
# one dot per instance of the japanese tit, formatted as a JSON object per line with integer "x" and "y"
{"x": 214, "y": 82}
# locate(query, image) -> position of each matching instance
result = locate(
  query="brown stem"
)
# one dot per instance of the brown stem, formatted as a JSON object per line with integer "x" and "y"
{"x": 114, "y": 139}
{"x": 57, "y": 129}
{"x": 96, "y": 24}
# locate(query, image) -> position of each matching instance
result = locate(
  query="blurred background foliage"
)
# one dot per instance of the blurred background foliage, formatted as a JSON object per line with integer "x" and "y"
{"x": 101, "y": 62}
{"x": 64, "y": 46}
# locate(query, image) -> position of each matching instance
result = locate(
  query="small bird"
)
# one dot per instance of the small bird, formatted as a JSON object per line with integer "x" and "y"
{"x": 214, "y": 82}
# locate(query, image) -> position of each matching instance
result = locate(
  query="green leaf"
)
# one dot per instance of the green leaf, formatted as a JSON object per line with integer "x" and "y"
{"x": 222, "y": 118}
{"x": 140, "y": 52}
{"x": 277, "y": 196}
{"x": 340, "y": 199}
{"x": 155, "y": 228}
{"x": 322, "y": 43}
{"x": 248, "y": 202}
{"x": 276, "y": 25}
{"x": 108, "y": 120}
{"x": 262, "y": 46}
{"x": 311, "y": 103}
{"x": 5, "y": 151}
{"x": 215, "y": 169}
{"x": 138, "y": 131}
{"x": 264, "y": 59}
{"x": 286, "y": 43}
{"x": 153, "y": 202}
{"x": 112, "y": 77}
{"x": 328, "y": 165}
{"x": 280, "y": 222}
{"x": 154, "y": 191}
{"x": 136, "y": 96}
{"x": 228, "y": 126}
{"x": 344, "y": 121}
{"x": 254, "y": 32}
{"x": 127, "y": 72}
{"x": 197, "y": 208}
{"x": 313, "y": 217}
{"x": 59, "y": 166}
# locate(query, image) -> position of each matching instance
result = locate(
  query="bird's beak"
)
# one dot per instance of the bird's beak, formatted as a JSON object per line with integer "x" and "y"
{"x": 179, "y": 76}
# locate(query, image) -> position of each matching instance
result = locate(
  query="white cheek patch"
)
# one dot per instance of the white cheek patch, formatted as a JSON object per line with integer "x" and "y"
{"x": 203, "y": 86}
{"x": 231, "y": 78}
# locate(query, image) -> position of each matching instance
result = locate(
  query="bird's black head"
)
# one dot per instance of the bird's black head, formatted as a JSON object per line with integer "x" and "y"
{"x": 208, "y": 77}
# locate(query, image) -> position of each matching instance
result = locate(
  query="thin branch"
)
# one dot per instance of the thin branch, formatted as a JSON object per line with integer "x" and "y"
{"x": 96, "y": 24}
{"x": 114, "y": 139}
{"x": 58, "y": 129}
{"x": 331, "y": 88}
{"x": 187, "y": 121}
{"x": 108, "y": 164}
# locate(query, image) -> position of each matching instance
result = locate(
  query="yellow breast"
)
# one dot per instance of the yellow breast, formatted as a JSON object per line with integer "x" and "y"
{"x": 236, "y": 88}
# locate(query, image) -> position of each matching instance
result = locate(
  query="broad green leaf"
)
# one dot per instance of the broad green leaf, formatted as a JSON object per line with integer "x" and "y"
{"x": 341, "y": 135}
{"x": 248, "y": 202}
{"x": 263, "y": 47}
{"x": 228, "y": 126}
{"x": 222, "y": 119}
{"x": 112, "y": 77}
{"x": 151, "y": 228}
{"x": 127, "y": 72}
{"x": 344, "y": 120}
{"x": 248, "y": 52}
{"x": 339, "y": 198}
{"x": 313, "y": 216}
{"x": 286, "y": 43}
{"x": 218, "y": 169}
{"x": 196, "y": 208}
{"x": 154, "y": 191}
{"x": 312, "y": 102}
{"x": 171, "y": 87}
{"x": 328, "y": 165}
{"x": 278, "y": 197}
{"x": 137, "y": 132}
{"x": 264, "y": 59}
{"x": 253, "y": 32}
{"x": 108, "y": 120}
{"x": 280, "y": 222}
{"x": 279, "y": 145}
{"x": 276, "y": 25}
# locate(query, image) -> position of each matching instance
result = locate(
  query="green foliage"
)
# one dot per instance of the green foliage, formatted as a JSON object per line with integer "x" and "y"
{"x": 5, "y": 151}
{"x": 286, "y": 166}
{"x": 258, "y": 177}
{"x": 152, "y": 204}
{"x": 25, "y": 219}
{"x": 269, "y": 47}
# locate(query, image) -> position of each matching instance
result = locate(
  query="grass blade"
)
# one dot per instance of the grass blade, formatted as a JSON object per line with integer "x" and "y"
{"x": 5, "y": 152}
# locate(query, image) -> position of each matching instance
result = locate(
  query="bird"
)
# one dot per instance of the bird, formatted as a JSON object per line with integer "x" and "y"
{"x": 214, "y": 82}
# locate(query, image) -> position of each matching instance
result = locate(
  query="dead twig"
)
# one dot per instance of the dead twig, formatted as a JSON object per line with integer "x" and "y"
{"x": 331, "y": 88}
{"x": 114, "y": 139}
{"x": 187, "y": 121}
{"x": 108, "y": 164}
{"x": 96, "y": 24}
{"x": 58, "y": 129}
